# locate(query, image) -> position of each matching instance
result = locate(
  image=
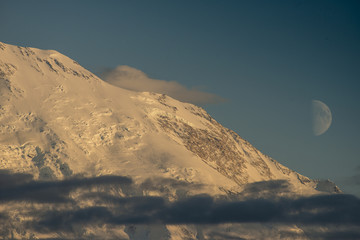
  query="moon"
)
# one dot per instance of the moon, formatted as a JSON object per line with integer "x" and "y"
{"x": 321, "y": 117}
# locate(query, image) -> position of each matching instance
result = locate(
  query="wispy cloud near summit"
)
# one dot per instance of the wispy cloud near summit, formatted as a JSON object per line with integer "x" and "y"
{"x": 133, "y": 79}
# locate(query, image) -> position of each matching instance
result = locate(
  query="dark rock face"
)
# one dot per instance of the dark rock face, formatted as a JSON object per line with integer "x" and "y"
{"x": 7, "y": 69}
{"x": 219, "y": 147}
{"x": 2, "y": 46}
{"x": 216, "y": 150}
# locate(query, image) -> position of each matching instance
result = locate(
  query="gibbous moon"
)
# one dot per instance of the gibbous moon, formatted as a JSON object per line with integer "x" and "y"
{"x": 321, "y": 117}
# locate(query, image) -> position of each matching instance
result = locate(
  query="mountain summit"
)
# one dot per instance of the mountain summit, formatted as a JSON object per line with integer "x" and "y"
{"x": 58, "y": 120}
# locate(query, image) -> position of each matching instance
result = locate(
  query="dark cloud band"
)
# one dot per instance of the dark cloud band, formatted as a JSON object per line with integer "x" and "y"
{"x": 104, "y": 207}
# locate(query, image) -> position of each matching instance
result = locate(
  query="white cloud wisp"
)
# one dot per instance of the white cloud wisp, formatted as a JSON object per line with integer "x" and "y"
{"x": 133, "y": 79}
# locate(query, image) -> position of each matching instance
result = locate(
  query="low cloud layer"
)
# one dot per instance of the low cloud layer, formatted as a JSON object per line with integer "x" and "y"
{"x": 133, "y": 79}
{"x": 116, "y": 200}
{"x": 331, "y": 210}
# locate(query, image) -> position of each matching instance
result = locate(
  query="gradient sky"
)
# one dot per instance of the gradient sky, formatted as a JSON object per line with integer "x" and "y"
{"x": 269, "y": 59}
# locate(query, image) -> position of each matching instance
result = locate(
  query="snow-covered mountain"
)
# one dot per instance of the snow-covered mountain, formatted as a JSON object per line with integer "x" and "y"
{"x": 59, "y": 120}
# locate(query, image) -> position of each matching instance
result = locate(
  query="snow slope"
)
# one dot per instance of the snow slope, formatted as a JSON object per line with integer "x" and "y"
{"x": 49, "y": 101}
{"x": 57, "y": 119}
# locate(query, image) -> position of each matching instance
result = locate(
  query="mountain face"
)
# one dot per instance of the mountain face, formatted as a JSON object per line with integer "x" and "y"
{"x": 58, "y": 121}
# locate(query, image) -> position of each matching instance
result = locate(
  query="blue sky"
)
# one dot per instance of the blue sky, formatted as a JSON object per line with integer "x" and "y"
{"x": 269, "y": 59}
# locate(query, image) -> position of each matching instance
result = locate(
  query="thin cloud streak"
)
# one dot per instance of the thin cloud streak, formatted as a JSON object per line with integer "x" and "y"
{"x": 355, "y": 179}
{"x": 133, "y": 79}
